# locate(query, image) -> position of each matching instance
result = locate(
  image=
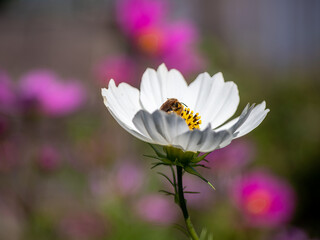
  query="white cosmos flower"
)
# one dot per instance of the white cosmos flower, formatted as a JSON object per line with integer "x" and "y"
{"x": 215, "y": 100}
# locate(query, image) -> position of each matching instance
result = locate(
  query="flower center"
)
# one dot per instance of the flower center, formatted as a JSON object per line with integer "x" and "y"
{"x": 193, "y": 120}
{"x": 259, "y": 202}
{"x": 172, "y": 105}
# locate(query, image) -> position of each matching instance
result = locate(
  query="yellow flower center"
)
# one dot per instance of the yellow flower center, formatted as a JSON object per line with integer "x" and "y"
{"x": 193, "y": 120}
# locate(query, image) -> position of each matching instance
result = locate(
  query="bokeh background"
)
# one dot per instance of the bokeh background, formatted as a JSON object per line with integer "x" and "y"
{"x": 69, "y": 171}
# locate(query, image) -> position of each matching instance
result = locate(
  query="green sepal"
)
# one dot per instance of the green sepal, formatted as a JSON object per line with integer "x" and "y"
{"x": 200, "y": 158}
{"x": 192, "y": 171}
{"x": 158, "y": 164}
{"x": 178, "y": 155}
{"x": 165, "y": 160}
{"x": 151, "y": 156}
{"x": 199, "y": 165}
{"x": 158, "y": 151}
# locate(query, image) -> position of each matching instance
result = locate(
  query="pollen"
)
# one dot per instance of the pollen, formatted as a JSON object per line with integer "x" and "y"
{"x": 193, "y": 120}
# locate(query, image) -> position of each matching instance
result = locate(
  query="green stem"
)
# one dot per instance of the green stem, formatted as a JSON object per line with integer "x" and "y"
{"x": 183, "y": 206}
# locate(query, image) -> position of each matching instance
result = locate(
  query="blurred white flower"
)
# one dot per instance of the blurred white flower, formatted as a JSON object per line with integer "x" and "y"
{"x": 212, "y": 98}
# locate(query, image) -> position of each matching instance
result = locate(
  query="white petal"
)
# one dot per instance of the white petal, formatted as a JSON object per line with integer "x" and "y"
{"x": 249, "y": 119}
{"x": 158, "y": 86}
{"x": 159, "y": 126}
{"x": 254, "y": 119}
{"x": 202, "y": 140}
{"x": 215, "y": 100}
{"x": 133, "y": 132}
{"x": 123, "y": 103}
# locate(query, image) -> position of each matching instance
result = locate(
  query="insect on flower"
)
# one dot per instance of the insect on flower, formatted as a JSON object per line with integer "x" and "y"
{"x": 172, "y": 105}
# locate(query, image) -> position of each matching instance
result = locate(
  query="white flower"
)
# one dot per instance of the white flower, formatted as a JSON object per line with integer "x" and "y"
{"x": 216, "y": 101}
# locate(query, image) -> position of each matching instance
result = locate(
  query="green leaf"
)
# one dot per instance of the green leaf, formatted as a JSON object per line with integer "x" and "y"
{"x": 181, "y": 228}
{"x": 192, "y": 171}
{"x": 166, "y": 192}
{"x": 162, "y": 174}
{"x": 191, "y": 192}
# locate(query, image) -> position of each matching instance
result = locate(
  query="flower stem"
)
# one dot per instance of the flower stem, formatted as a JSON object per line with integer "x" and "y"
{"x": 183, "y": 206}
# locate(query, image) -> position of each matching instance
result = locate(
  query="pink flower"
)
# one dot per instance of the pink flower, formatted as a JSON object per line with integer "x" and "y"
{"x": 233, "y": 157}
{"x": 7, "y": 93}
{"x": 151, "y": 40}
{"x": 128, "y": 178}
{"x": 121, "y": 68}
{"x": 157, "y": 209}
{"x": 134, "y": 15}
{"x": 180, "y": 35}
{"x": 82, "y": 225}
{"x": 48, "y": 158}
{"x": 50, "y": 94}
{"x": 172, "y": 43}
{"x": 265, "y": 200}
{"x": 186, "y": 60}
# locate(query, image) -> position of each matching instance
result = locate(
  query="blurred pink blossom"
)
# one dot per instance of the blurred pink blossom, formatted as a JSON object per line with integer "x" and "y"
{"x": 157, "y": 209}
{"x": 186, "y": 60}
{"x": 48, "y": 158}
{"x": 53, "y": 96}
{"x": 180, "y": 35}
{"x": 265, "y": 200}
{"x": 134, "y": 15}
{"x": 7, "y": 93}
{"x": 121, "y": 68}
{"x": 233, "y": 157}
{"x": 172, "y": 43}
{"x": 129, "y": 178}
{"x": 147, "y": 25}
{"x": 82, "y": 225}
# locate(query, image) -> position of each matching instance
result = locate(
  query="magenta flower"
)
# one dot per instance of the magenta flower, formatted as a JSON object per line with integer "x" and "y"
{"x": 119, "y": 67}
{"x": 236, "y": 155}
{"x": 265, "y": 200}
{"x": 7, "y": 93}
{"x": 50, "y": 94}
{"x": 157, "y": 209}
{"x": 134, "y": 15}
{"x": 180, "y": 35}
